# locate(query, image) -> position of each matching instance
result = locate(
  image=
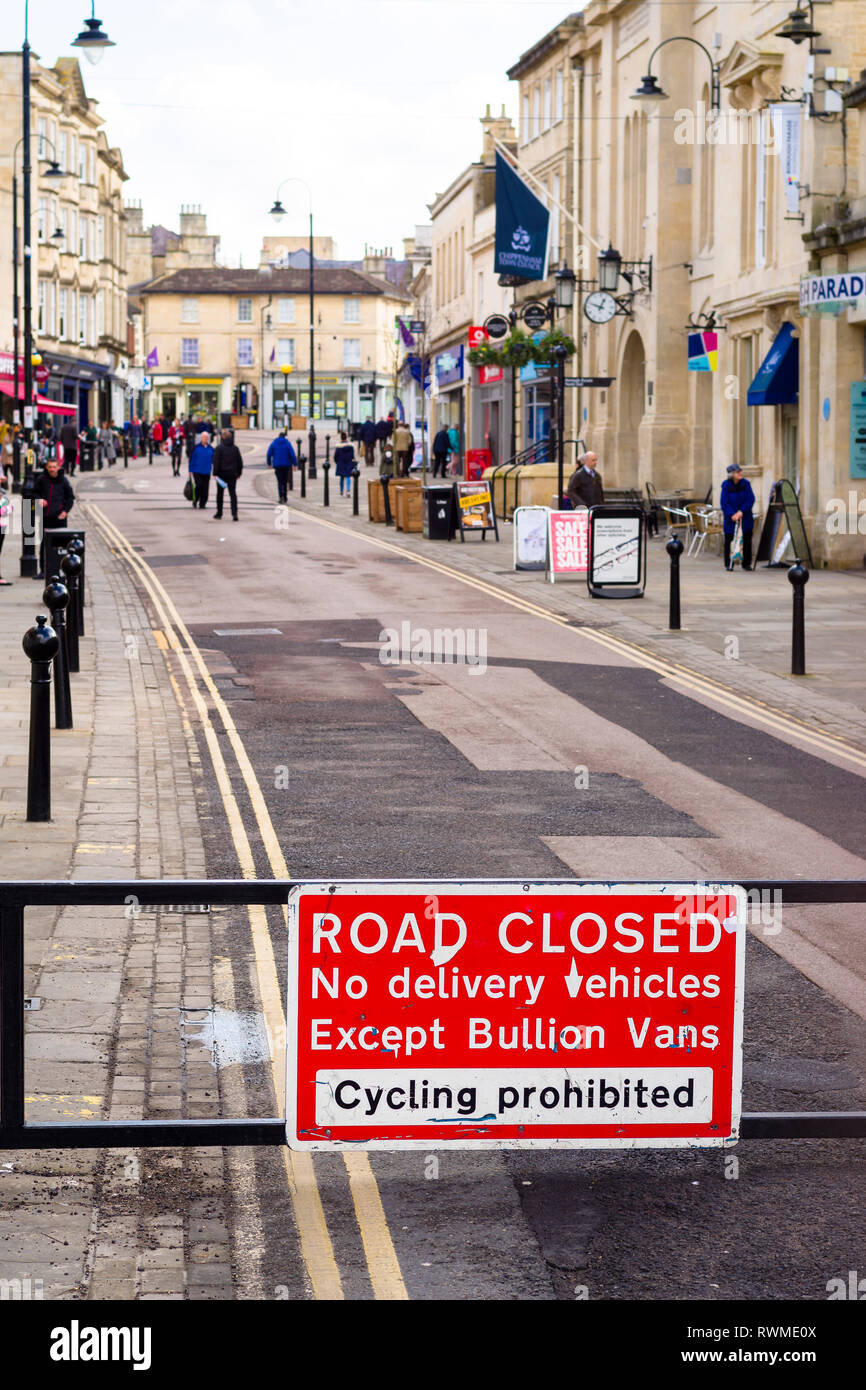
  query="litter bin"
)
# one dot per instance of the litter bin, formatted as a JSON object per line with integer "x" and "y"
{"x": 439, "y": 518}
{"x": 87, "y": 462}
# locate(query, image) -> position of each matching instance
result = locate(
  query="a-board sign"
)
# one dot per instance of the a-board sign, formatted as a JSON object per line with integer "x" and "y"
{"x": 783, "y": 528}
{"x": 530, "y": 538}
{"x": 509, "y": 1015}
{"x": 567, "y": 544}
{"x": 475, "y": 508}
{"x": 617, "y": 546}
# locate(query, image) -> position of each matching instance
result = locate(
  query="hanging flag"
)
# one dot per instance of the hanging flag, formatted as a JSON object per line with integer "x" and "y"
{"x": 408, "y": 340}
{"x": 522, "y": 223}
{"x": 273, "y": 354}
{"x": 703, "y": 351}
{"x": 153, "y": 358}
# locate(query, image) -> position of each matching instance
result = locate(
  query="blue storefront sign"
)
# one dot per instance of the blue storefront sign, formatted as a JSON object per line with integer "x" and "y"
{"x": 449, "y": 367}
{"x": 857, "y": 452}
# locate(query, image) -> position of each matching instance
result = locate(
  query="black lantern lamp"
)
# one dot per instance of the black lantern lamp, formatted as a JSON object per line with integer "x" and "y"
{"x": 93, "y": 39}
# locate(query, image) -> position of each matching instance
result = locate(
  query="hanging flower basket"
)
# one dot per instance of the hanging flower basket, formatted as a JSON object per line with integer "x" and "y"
{"x": 519, "y": 348}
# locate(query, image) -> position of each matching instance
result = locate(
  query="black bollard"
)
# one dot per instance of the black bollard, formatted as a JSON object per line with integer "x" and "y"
{"x": 326, "y": 497}
{"x": 302, "y": 463}
{"x": 311, "y": 464}
{"x": 76, "y": 547}
{"x": 674, "y": 548}
{"x": 56, "y": 596}
{"x": 385, "y": 479}
{"x": 356, "y": 473}
{"x": 31, "y": 529}
{"x": 40, "y": 645}
{"x": 798, "y": 575}
{"x": 327, "y": 448}
{"x": 125, "y": 452}
{"x": 71, "y": 567}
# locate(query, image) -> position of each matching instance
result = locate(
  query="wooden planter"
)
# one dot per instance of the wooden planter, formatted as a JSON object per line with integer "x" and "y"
{"x": 408, "y": 505}
{"x": 375, "y": 500}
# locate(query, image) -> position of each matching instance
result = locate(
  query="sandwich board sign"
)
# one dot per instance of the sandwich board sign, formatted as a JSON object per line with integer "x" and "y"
{"x": 475, "y": 508}
{"x": 567, "y": 544}
{"x": 530, "y": 538}
{"x": 498, "y": 1015}
{"x": 617, "y": 544}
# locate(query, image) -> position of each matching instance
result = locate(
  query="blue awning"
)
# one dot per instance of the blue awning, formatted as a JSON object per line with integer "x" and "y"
{"x": 777, "y": 381}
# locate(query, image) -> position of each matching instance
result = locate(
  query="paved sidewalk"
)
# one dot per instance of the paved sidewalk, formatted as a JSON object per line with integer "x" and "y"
{"x": 126, "y": 995}
{"x": 736, "y": 626}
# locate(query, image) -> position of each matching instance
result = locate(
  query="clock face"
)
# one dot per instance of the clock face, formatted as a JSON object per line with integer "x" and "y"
{"x": 599, "y": 306}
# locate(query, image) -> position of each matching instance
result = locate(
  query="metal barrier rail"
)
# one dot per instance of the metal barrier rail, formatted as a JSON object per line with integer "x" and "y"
{"x": 18, "y": 1133}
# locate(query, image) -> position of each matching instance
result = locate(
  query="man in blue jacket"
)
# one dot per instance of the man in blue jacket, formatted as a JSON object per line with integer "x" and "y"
{"x": 282, "y": 458}
{"x": 368, "y": 440}
{"x": 737, "y": 501}
{"x": 200, "y": 469}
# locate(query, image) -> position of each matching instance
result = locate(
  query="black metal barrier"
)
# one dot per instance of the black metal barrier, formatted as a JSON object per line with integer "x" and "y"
{"x": 18, "y": 1133}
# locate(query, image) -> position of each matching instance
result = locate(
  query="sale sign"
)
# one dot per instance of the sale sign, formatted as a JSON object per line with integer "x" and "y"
{"x": 509, "y": 1015}
{"x": 568, "y": 543}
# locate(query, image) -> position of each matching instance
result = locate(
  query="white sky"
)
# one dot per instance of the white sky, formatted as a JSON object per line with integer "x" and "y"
{"x": 374, "y": 103}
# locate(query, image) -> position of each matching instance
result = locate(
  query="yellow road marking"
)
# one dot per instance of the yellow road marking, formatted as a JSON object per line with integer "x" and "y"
{"x": 385, "y": 1277}
{"x": 763, "y": 713}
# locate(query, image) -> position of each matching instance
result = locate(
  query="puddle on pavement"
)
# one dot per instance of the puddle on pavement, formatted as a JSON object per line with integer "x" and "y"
{"x": 229, "y": 1036}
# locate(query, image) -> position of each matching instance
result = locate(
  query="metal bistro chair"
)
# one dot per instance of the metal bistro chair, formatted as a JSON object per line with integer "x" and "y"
{"x": 678, "y": 520}
{"x": 706, "y": 521}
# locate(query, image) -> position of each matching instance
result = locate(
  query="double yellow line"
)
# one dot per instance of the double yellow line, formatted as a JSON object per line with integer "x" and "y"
{"x": 771, "y": 718}
{"x": 316, "y": 1246}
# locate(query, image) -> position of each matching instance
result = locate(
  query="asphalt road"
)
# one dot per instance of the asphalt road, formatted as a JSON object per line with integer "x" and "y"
{"x": 561, "y": 758}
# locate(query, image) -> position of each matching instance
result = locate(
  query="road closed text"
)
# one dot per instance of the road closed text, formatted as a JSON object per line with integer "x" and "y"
{"x": 493, "y": 1013}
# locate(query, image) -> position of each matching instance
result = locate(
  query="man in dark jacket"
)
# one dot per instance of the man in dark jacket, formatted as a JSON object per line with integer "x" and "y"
{"x": 441, "y": 450}
{"x": 53, "y": 492}
{"x": 368, "y": 440}
{"x": 189, "y": 436}
{"x": 585, "y": 486}
{"x": 227, "y": 468}
{"x": 281, "y": 457}
{"x": 69, "y": 440}
{"x": 737, "y": 501}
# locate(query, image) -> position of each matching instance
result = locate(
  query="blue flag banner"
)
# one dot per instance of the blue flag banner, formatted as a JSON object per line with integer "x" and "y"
{"x": 522, "y": 223}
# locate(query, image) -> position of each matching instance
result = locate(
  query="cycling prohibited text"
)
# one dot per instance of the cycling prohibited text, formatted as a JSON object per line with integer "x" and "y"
{"x": 510, "y": 1015}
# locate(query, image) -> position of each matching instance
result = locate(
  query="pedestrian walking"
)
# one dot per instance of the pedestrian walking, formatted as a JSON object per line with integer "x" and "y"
{"x": 737, "y": 501}
{"x": 228, "y": 465}
{"x": 368, "y": 442}
{"x": 175, "y": 436}
{"x": 69, "y": 444}
{"x": 189, "y": 436}
{"x": 585, "y": 488}
{"x": 454, "y": 445}
{"x": 107, "y": 444}
{"x": 156, "y": 435}
{"x": 53, "y": 492}
{"x": 384, "y": 430}
{"x": 344, "y": 462}
{"x": 200, "y": 469}
{"x": 135, "y": 436}
{"x": 281, "y": 457}
{"x": 5, "y": 516}
{"x": 404, "y": 446}
{"x": 441, "y": 450}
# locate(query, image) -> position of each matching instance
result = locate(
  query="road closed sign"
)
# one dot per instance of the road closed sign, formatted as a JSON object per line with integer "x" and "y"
{"x": 512, "y": 1015}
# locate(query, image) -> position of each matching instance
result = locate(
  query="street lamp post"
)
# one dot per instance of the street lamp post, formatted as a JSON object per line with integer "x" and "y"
{"x": 562, "y": 298}
{"x": 278, "y": 212}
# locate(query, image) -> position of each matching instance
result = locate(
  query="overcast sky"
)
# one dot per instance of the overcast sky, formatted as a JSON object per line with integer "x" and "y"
{"x": 374, "y": 103}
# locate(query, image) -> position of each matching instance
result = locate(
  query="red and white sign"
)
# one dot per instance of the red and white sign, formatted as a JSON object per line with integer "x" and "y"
{"x": 477, "y": 335}
{"x": 567, "y": 543}
{"x": 510, "y": 1015}
{"x": 7, "y": 368}
{"x": 487, "y": 375}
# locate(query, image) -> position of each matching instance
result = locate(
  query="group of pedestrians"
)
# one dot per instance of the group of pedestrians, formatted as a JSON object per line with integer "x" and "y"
{"x": 224, "y": 463}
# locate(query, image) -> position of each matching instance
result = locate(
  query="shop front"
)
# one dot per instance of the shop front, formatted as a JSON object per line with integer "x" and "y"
{"x": 202, "y": 396}
{"x": 450, "y": 399}
{"x": 491, "y": 414}
{"x": 292, "y": 398}
{"x": 81, "y": 384}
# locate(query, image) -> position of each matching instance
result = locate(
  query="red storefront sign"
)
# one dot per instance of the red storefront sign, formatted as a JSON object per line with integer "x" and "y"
{"x": 568, "y": 543}
{"x": 477, "y": 335}
{"x": 508, "y": 1015}
{"x": 7, "y": 370}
